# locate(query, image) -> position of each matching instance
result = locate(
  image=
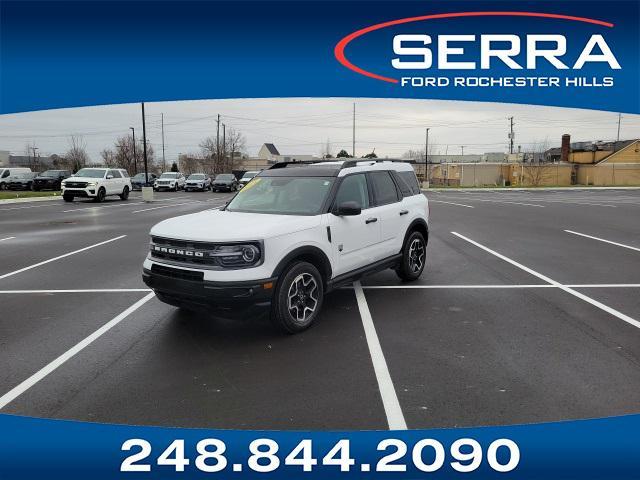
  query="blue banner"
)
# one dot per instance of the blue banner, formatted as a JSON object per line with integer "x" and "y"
{"x": 572, "y": 54}
{"x": 586, "y": 449}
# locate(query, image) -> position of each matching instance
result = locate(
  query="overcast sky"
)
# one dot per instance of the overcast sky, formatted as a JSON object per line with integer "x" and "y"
{"x": 303, "y": 126}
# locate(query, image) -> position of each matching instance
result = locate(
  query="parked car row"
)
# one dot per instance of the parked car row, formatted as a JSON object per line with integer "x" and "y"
{"x": 24, "y": 179}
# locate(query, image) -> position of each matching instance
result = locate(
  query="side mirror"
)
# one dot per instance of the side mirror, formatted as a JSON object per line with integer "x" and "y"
{"x": 348, "y": 209}
{"x": 109, "y": 177}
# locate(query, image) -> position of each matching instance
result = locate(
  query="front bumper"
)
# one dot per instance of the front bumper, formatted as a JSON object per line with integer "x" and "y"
{"x": 88, "y": 192}
{"x": 194, "y": 186}
{"x": 183, "y": 288}
{"x": 170, "y": 186}
{"x": 17, "y": 186}
{"x": 223, "y": 186}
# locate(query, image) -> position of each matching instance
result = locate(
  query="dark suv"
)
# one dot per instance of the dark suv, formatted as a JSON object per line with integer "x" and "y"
{"x": 50, "y": 179}
{"x": 225, "y": 181}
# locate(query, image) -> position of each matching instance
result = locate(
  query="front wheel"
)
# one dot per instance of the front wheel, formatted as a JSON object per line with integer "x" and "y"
{"x": 101, "y": 194}
{"x": 298, "y": 298}
{"x": 125, "y": 193}
{"x": 414, "y": 256}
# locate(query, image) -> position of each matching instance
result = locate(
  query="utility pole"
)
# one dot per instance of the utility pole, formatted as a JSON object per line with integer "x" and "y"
{"x": 34, "y": 154}
{"x": 164, "y": 165}
{"x": 135, "y": 159}
{"x": 144, "y": 141}
{"x": 217, "y": 141}
{"x": 511, "y": 135}
{"x": 224, "y": 146}
{"x": 462, "y": 148}
{"x": 353, "y": 137}
{"x": 426, "y": 157}
{"x": 619, "y": 120}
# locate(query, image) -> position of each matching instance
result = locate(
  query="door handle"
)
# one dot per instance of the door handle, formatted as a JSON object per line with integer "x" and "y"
{"x": 403, "y": 212}
{"x": 370, "y": 220}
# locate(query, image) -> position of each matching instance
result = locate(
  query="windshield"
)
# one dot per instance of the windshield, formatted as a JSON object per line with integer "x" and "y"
{"x": 249, "y": 175}
{"x": 225, "y": 176}
{"x": 169, "y": 175}
{"x": 50, "y": 173}
{"x": 90, "y": 173}
{"x": 282, "y": 195}
{"x": 196, "y": 176}
{"x": 22, "y": 175}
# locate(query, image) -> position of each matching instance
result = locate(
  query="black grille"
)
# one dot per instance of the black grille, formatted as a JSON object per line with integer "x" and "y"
{"x": 199, "y": 254}
{"x": 76, "y": 184}
{"x": 177, "y": 273}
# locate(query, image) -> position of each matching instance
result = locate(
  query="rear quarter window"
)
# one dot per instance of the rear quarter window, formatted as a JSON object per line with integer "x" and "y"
{"x": 408, "y": 183}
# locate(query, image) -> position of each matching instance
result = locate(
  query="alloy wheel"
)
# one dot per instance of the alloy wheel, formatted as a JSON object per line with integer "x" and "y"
{"x": 416, "y": 255}
{"x": 302, "y": 297}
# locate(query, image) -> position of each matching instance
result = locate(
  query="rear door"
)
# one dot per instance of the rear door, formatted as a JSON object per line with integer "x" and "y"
{"x": 114, "y": 185}
{"x": 354, "y": 239}
{"x": 389, "y": 211}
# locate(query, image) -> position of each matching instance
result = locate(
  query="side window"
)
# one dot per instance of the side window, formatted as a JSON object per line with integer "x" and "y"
{"x": 125, "y": 174}
{"x": 408, "y": 183}
{"x": 6, "y": 173}
{"x": 115, "y": 173}
{"x": 354, "y": 189}
{"x": 384, "y": 188}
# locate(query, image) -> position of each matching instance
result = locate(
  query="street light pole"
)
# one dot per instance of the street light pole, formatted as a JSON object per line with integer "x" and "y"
{"x": 144, "y": 142}
{"x": 426, "y": 157}
{"x": 135, "y": 160}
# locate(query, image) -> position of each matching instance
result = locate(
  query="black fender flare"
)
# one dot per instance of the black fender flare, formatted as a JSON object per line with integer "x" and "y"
{"x": 418, "y": 224}
{"x": 309, "y": 253}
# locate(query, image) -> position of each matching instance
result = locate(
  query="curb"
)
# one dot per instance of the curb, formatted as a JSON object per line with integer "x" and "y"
{"x": 30, "y": 199}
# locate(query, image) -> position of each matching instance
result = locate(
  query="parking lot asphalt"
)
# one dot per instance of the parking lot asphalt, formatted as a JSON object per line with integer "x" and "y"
{"x": 528, "y": 311}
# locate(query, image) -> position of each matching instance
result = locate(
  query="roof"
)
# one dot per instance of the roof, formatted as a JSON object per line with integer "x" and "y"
{"x": 272, "y": 149}
{"x": 332, "y": 168}
{"x": 620, "y": 146}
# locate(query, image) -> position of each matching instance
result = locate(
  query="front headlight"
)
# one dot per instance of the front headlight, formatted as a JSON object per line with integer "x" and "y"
{"x": 92, "y": 184}
{"x": 238, "y": 256}
{"x": 63, "y": 184}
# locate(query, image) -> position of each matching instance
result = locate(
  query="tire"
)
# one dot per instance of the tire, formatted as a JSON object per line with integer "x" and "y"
{"x": 414, "y": 257}
{"x": 68, "y": 198}
{"x": 298, "y": 298}
{"x": 125, "y": 193}
{"x": 175, "y": 189}
{"x": 3, "y": 186}
{"x": 100, "y": 196}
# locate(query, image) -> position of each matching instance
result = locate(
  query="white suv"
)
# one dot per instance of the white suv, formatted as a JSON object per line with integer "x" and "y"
{"x": 96, "y": 183}
{"x": 169, "y": 181}
{"x": 292, "y": 234}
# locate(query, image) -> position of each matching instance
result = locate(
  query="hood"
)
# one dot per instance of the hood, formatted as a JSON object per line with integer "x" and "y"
{"x": 223, "y": 181}
{"x": 83, "y": 179}
{"x": 224, "y": 226}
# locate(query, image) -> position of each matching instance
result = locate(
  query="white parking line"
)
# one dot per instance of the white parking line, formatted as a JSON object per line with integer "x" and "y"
{"x": 581, "y": 296}
{"x": 82, "y": 290}
{"x": 165, "y": 206}
{"x": 480, "y": 287}
{"x": 102, "y": 206}
{"x": 59, "y": 257}
{"x": 605, "y": 241}
{"x": 392, "y": 409}
{"x": 18, "y": 390}
{"x": 452, "y": 203}
{"x": 6, "y": 238}
{"x": 501, "y": 201}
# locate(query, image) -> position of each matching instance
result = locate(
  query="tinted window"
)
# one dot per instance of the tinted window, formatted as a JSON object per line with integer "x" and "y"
{"x": 408, "y": 183}
{"x": 383, "y": 187}
{"x": 125, "y": 174}
{"x": 115, "y": 173}
{"x": 354, "y": 189}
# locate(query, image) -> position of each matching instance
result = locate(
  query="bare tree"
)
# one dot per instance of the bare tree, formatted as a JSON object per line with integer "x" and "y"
{"x": 326, "y": 150}
{"x": 124, "y": 155}
{"x": 108, "y": 158}
{"x": 77, "y": 156}
{"x": 235, "y": 143}
{"x": 536, "y": 171}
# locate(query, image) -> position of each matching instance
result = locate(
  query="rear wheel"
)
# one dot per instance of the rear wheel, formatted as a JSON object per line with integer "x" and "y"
{"x": 68, "y": 198}
{"x": 101, "y": 194}
{"x": 298, "y": 298}
{"x": 414, "y": 256}
{"x": 125, "y": 193}
{"x": 3, "y": 186}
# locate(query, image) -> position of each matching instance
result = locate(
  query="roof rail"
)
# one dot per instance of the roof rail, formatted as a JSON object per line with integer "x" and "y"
{"x": 287, "y": 164}
{"x": 349, "y": 164}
